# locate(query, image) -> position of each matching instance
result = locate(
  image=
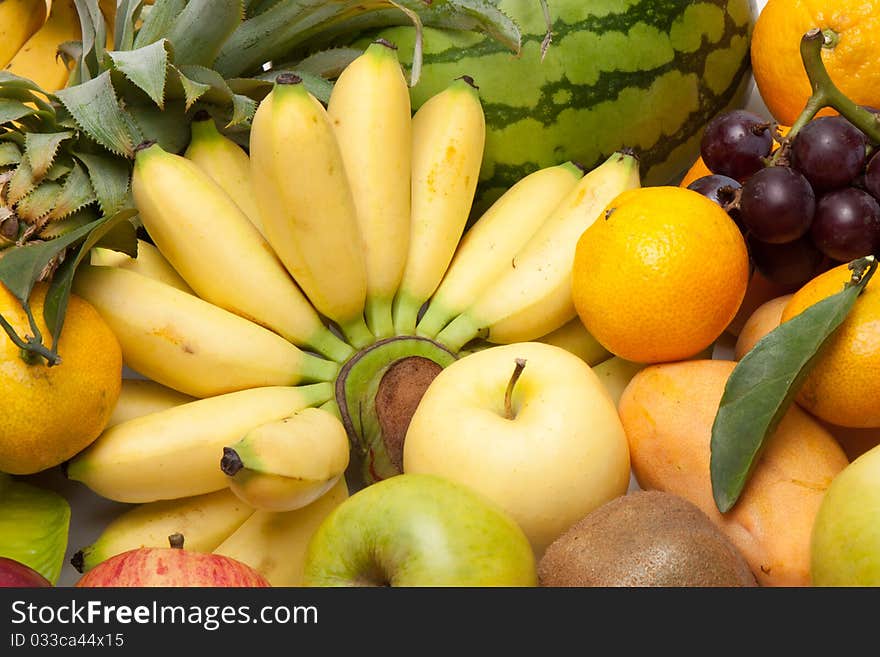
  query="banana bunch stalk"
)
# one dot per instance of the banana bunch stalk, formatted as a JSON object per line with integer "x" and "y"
{"x": 297, "y": 297}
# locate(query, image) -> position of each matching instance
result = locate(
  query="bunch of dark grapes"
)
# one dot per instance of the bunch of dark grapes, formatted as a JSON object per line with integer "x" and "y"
{"x": 813, "y": 206}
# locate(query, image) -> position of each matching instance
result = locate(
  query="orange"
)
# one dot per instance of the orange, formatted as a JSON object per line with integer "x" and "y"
{"x": 51, "y": 413}
{"x": 843, "y": 386}
{"x": 660, "y": 274}
{"x": 850, "y": 58}
{"x": 697, "y": 170}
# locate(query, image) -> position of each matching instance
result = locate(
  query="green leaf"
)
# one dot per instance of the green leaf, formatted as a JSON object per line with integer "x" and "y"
{"x": 287, "y": 26}
{"x": 94, "y": 36}
{"x": 34, "y": 527}
{"x": 22, "y": 182}
{"x": 158, "y": 21}
{"x": 76, "y": 193}
{"x": 201, "y": 29}
{"x": 41, "y": 149}
{"x": 38, "y": 203}
{"x": 191, "y": 90}
{"x": 9, "y": 154}
{"x": 59, "y": 169}
{"x": 127, "y": 12}
{"x": 21, "y": 267}
{"x": 110, "y": 177}
{"x": 165, "y": 127}
{"x": 243, "y": 109}
{"x": 218, "y": 91}
{"x": 121, "y": 237}
{"x": 764, "y": 382}
{"x": 55, "y": 305}
{"x": 146, "y": 67}
{"x": 13, "y": 110}
{"x": 95, "y": 109}
{"x": 69, "y": 224}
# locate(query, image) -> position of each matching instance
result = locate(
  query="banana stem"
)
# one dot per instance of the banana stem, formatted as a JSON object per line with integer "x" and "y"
{"x": 826, "y": 93}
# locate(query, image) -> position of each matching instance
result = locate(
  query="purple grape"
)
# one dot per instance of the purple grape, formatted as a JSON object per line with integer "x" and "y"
{"x": 777, "y": 205}
{"x": 735, "y": 143}
{"x": 718, "y": 188}
{"x": 847, "y": 224}
{"x": 872, "y": 176}
{"x": 790, "y": 264}
{"x": 829, "y": 151}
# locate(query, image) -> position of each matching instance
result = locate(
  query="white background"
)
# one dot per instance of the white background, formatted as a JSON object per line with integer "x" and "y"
{"x": 90, "y": 513}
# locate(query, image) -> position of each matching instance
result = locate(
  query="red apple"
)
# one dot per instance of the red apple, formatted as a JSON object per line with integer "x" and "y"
{"x": 16, "y": 574}
{"x": 171, "y": 566}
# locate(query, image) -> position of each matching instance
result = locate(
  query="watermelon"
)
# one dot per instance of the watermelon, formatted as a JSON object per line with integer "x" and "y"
{"x": 643, "y": 74}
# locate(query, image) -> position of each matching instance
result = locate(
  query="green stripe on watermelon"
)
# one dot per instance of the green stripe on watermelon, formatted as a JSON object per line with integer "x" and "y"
{"x": 646, "y": 74}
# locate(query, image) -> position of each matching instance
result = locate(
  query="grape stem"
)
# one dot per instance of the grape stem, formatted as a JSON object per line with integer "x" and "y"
{"x": 826, "y": 94}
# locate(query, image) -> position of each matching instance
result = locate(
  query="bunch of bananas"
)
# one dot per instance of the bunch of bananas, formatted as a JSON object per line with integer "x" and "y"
{"x": 286, "y": 284}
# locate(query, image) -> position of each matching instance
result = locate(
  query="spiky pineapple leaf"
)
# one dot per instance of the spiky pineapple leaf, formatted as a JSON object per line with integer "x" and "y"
{"x": 39, "y": 203}
{"x": 9, "y": 154}
{"x": 191, "y": 90}
{"x": 42, "y": 147}
{"x": 95, "y": 109}
{"x": 20, "y": 268}
{"x": 110, "y": 179}
{"x": 59, "y": 289}
{"x": 94, "y": 37}
{"x": 59, "y": 169}
{"x": 62, "y": 227}
{"x": 165, "y": 127}
{"x": 76, "y": 193}
{"x": 13, "y": 110}
{"x": 127, "y": 13}
{"x": 275, "y": 33}
{"x": 21, "y": 183}
{"x": 25, "y": 96}
{"x": 243, "y": 110}
{"x": 218, "y": 93}
{"x": 201, "y": 29}
{"x": 8, "y": 79}
{"x": 146, "y": 68}
{"x": 157, "y": 23}
{"x": 256, "y": 7}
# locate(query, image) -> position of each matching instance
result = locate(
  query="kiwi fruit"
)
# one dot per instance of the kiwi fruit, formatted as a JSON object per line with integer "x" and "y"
{"x": 641, "y": 539}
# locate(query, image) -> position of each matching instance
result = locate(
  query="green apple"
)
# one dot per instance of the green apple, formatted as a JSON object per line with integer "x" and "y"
{"x": 845, "y": 545}
{"x": 528, "y": 425}
{"x": 418, "y": 530}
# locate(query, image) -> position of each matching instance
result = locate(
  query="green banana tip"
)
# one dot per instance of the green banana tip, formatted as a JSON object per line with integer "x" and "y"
{"x": 386, "y": 43}
{"x": 145, "y": 146}
{"x": 288, "y": 79}
{"x": 469, "y": 81}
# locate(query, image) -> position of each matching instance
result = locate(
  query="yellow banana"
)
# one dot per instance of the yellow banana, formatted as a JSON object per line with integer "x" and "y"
{"x": 219, "y": 253}
{"x": 149, "y": 262}
{"x": 188, "y": 344}
{"x": 226, "y": 163}
{"x": 139, "y": 397}
{"x": 372, "y": 117}
{"x": 449, "y": 132}
{"x": 204, "y": 520}
{"x": 288, "y": 464}
{"x": 575, "y": 338}
{"x": 488, "y": 247}
{"x": 176, "y": 452}
{"x": 19, "y": 21}
{"x": 275, "y": 543}
{"x": 533, "y": 296}
{"x": 307, "y": 206}
{"x": 38, "y": 58}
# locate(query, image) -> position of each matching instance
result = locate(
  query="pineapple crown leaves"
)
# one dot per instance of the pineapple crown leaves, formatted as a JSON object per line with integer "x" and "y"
{"x": 169, "y": 59}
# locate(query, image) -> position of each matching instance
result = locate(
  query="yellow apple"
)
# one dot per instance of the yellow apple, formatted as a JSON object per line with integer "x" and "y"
{"x": 530, "y": 426}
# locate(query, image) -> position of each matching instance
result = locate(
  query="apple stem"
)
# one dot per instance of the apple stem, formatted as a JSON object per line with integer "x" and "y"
{"x": 508, "y": 394}
{"x": 176, "y": 541}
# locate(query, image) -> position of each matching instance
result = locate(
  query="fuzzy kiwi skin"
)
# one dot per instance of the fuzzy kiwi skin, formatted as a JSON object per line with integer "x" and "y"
{"x": 644, "y": 538}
